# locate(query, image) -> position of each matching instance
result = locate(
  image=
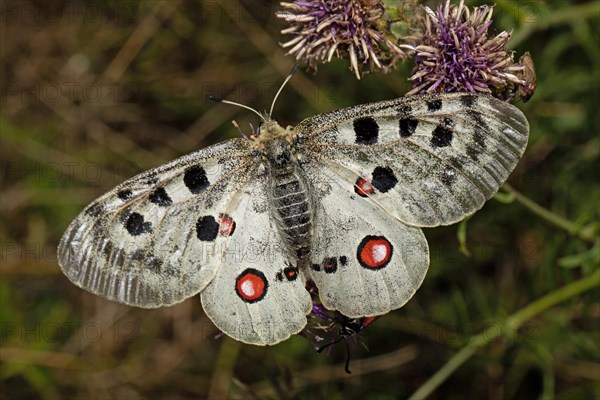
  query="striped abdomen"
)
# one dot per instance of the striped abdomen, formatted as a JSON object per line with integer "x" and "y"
{"x": 293, "y": 209}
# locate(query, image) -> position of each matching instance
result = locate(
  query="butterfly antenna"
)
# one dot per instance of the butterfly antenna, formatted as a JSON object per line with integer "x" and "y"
{"x": 233, "y": 103}
{"x": 292, "y": 72}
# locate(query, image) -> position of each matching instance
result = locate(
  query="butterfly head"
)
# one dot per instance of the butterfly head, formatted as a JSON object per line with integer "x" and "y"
{"x": 276, "y": 143}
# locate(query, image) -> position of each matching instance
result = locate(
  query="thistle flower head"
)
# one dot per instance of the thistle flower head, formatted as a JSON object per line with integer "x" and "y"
{"x": 354, "y": 29}
{"x": 456, "y": 55}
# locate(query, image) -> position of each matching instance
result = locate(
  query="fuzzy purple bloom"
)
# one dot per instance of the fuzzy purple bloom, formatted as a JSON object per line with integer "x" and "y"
{"x": 456, "y": 55}
{"x": 345, "y": 29}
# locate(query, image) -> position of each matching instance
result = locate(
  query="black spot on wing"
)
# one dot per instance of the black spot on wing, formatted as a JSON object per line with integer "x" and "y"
{"x": 384, "y": 179}
{"x": 441, "y": 137}
{"x": 468, "y": 100}
{"x": 344, "y": 260}
{"x": 207, "y": 228}
{"x": 366, "y": 130}
{"x": 160, "y": 197}
{"x": 135, "y": 224}
{"x": 195, "y": 179}
{"x": 330, "y": 265}
{"x": 124, "y": 195}
{"x": 408, "y": 126}
{"x": 291, "y": 273}
{"x": 434, "y": 105}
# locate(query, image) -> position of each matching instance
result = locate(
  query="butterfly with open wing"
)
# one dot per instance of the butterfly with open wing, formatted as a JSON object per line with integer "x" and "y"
{"x": 339, "y": 199}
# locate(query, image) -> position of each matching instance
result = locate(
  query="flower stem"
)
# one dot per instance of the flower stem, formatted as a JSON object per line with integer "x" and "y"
{"x": 585, "y": 233}
{"x": 511, "y": 324}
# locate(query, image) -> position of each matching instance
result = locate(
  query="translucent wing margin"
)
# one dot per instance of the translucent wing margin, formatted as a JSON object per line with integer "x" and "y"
{"x": 153, "y": 240}
{"x": 426, "y": 160}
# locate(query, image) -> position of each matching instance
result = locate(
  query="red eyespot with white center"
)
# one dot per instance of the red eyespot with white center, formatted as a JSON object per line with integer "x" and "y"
{"x": 374, "y": 252}
{"x": 251, "y": 285}
{"x": 226, "y": 225}
{"x": 363, "y": 187}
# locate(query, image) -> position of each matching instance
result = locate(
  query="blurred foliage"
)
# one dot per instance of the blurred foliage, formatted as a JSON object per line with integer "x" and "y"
{"x": 96, "y": 91}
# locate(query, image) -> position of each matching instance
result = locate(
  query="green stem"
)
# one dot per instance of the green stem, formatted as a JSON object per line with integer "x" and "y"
{"x": 555, "y": 219}
{"x": 511, "y": 323}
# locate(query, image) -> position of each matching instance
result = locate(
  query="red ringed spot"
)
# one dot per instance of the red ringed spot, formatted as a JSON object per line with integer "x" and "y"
{"x": 374, "y": 252}
{"x": 363, "y": 187}
{"x": 226, "y": 225}
{"x": 251, "y": 285}
{"x": 291, "y": 273}
{"x": 330, "y": 265}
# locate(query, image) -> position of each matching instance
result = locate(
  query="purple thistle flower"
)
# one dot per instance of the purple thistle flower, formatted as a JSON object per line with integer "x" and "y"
{"x": 456, "y": 54}
{"x": 354, "y": 29}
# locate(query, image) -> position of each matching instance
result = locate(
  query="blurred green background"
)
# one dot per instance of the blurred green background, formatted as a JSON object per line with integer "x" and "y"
{"x": 94, "y": 92}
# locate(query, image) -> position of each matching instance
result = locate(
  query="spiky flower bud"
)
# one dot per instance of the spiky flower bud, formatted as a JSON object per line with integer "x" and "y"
{"x": 456, "y": 55}
{"x": 356, "y": 29}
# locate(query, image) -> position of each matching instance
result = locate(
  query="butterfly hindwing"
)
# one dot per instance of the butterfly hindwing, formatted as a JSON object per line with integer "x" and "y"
{"x": 151, "y": 241}
{"x": 258, "y": 295}
{"x": 427, "y": 160}
{"x": 363, "y": 262}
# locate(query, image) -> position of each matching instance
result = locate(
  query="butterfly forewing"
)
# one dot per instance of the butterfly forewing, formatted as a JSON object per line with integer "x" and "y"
{"x": 146, "y": 242}
{"x": 428, "y": 160}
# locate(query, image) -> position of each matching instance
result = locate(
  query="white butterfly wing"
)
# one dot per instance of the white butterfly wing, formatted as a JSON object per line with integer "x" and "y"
{"x": 426, "y": 160}
{"x": 364, "y": 262}
{"x": 153, "y": 240}
{"x": 380, "y": 171}
{"x": 258, "y": 295}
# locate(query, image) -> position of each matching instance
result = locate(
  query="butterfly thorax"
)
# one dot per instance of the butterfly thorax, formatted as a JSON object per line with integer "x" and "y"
{"x": 288, "y": 189}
